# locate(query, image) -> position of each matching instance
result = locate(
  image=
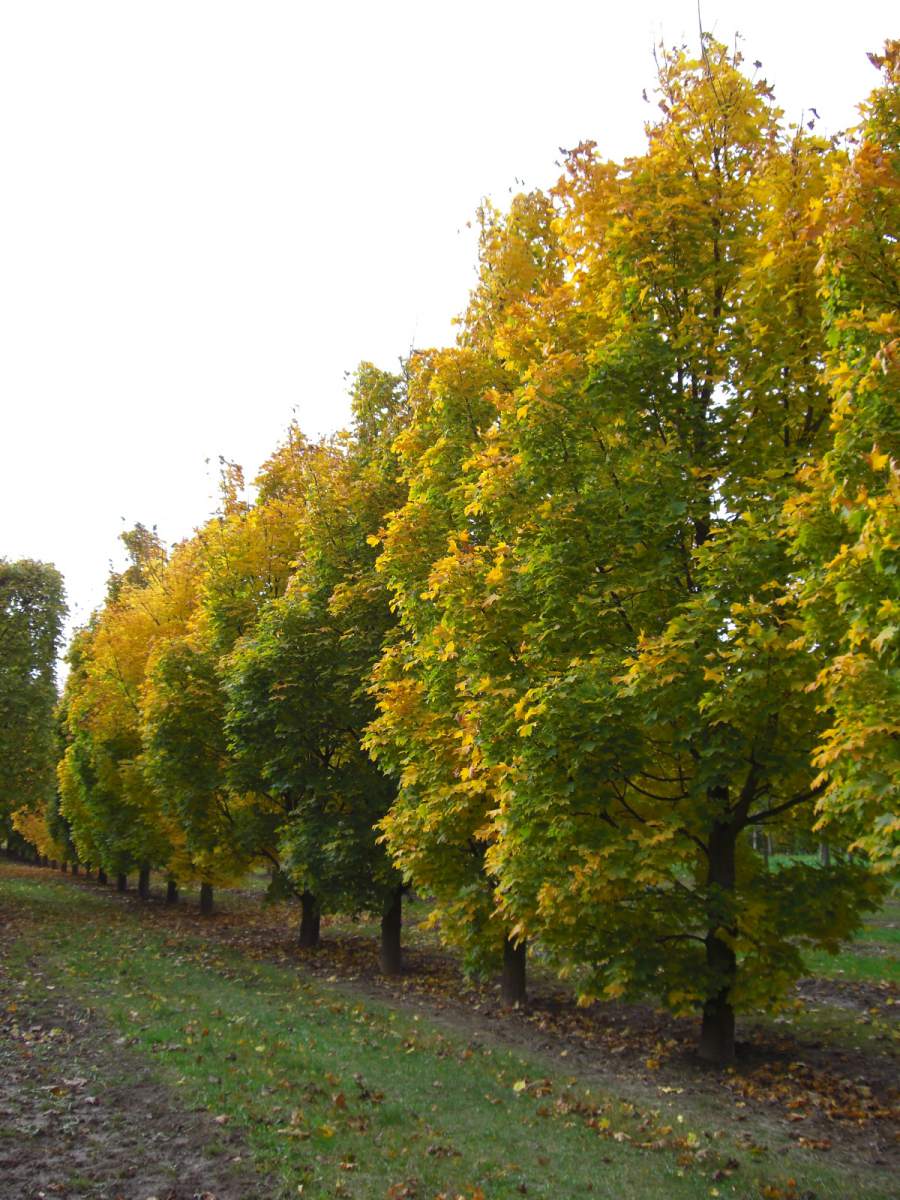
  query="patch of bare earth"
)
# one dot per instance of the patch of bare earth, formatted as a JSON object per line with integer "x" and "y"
{"x": 82, "y": 1118}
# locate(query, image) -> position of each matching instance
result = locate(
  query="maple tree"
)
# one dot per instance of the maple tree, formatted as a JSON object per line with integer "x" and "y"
{"x": 182, "y": 748}
{"x": 32, "y": 608}
{"x": 438, "y": 828}
{"x": 298, "y": 703}
{"x": 239, "y": 560}
{"x": 112, "y": 810}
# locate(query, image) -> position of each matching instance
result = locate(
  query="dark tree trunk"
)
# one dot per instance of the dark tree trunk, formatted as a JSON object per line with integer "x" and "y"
{"x": 512, "y": 981}
{"x": 206, "y": 899}
{"x": 391, "y": 956}
{"x": 121, "y": 883}
{"x": 74, "y": 868}
{"x": 717, "y": 1030}
{"x": 64, "y": 867}
{"x": 54, "y": 864}
{"x": 171, "y": 892}
{"x": 144, "y": 882}
{"x": 101, "y": 875}
{"x": 824, "y": 854}
{"x": 310, "y": 921}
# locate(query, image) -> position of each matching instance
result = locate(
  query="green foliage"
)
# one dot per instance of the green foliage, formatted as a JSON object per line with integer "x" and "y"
{"x": 186, "y": 758}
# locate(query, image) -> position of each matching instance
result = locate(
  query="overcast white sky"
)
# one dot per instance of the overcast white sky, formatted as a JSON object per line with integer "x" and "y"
{"x": 210, "y": 211}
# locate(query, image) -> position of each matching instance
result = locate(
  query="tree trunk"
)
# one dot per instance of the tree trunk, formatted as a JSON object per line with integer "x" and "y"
{"x": 64, "y": 867}
{"x": 121, "y": 883}
{"x": 310, "y": 921}
{"x": 101, "y": 875}
{"x": 391, "y": 956}
{"x": 206, "y": 899}
{"x": 144, "y": 882}
{"x": 824, "y": 854}
{"x": 512, "y": 981}
{"x": 717, "y": 1031}
{"x": 171, "y": 891}
{"x": 74, "y": 868}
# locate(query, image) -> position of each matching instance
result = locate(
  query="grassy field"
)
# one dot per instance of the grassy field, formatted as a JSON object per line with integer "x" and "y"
{"x": 337, "y": 1096}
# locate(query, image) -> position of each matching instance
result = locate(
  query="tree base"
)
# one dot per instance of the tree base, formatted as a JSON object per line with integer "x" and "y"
{"x": 310, "y": 922}
{"x": 391, "y": 953}
{"x": 717, "y": 1034}
{"x": 512, "y": 981}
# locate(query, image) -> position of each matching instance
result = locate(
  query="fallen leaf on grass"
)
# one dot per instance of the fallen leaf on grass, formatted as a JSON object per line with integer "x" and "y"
{"x": 814, "y": 1143}
{"x": 407, "y": 1190}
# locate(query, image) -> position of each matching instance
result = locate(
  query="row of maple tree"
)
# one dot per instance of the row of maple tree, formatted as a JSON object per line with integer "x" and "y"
{"x": 577, "y": 607}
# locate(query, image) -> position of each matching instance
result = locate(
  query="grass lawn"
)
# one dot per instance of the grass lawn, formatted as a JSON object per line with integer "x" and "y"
{"x": 336, "y": 1097}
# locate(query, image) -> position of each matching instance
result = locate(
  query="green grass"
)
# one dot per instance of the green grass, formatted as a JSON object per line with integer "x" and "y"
{"x": 849, "y": 965}
{"x": 872, "y": 957}
{"x": 352, "y": 1099}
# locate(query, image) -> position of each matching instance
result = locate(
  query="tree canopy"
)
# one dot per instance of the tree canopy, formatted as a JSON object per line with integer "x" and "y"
{"x": 32, "y": 610}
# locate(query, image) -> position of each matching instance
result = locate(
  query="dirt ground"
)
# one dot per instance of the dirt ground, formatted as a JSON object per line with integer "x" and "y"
{"x": 81, "y": 1117}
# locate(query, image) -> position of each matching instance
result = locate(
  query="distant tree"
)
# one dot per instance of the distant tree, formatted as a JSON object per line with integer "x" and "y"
{"x": 32, "y": 609}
